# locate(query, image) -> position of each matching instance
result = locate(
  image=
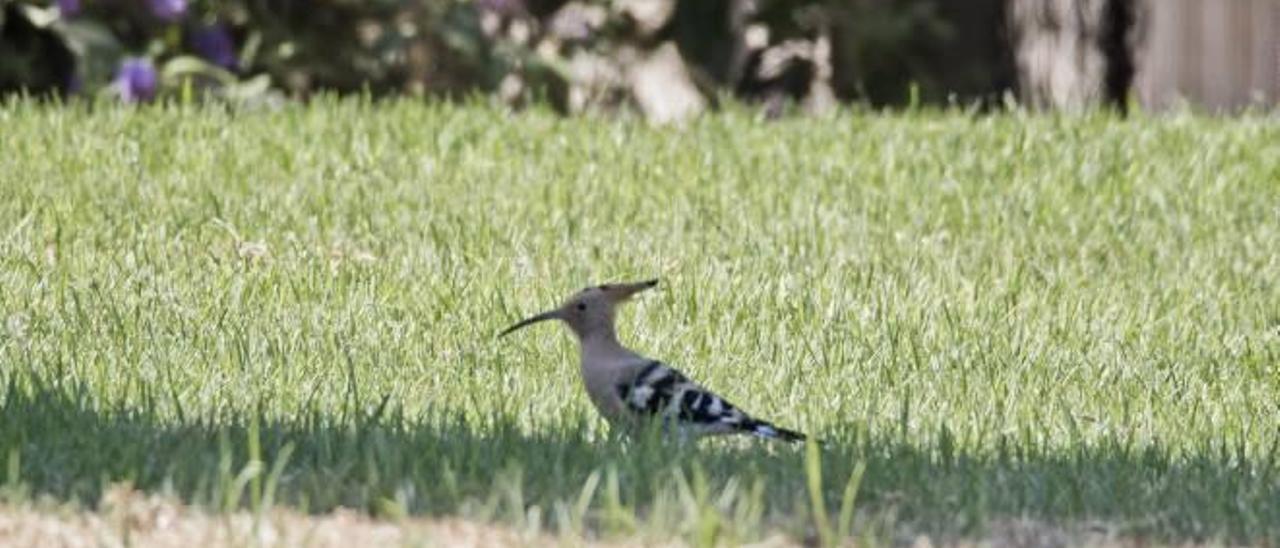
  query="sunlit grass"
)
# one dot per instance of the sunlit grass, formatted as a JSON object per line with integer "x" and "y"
{"x": 1072, "y": 320}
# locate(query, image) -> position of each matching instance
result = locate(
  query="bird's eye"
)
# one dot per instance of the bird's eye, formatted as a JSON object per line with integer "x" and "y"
{"x": 582, "y": 306}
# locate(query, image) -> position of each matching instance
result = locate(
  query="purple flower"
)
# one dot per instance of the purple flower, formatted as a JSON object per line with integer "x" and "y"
{"x": 137, "y": 80}
{"x": 168, "y": 10}
{"x": 68, "y": 8}
{"x": 214, "y": 43}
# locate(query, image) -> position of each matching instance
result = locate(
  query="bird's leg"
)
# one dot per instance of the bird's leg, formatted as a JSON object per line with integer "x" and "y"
{"x": 682, "y": 437}
{"x": 672, "y": 430}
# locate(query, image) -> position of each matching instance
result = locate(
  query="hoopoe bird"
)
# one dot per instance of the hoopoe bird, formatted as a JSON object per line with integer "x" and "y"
{"x": 628, "y": 388}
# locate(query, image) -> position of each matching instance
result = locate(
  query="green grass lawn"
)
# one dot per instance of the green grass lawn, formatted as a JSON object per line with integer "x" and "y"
{"x": 1069, "y": 320}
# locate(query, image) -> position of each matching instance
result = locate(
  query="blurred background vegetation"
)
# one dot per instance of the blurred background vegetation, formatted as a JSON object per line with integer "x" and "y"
{"x": 667, "y": 58}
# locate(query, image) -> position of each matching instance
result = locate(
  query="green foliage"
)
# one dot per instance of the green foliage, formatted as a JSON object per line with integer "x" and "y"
{"x": 242, "y": 50}
{"x": 263, "y": 51}
{"x": 1068, "y": 320}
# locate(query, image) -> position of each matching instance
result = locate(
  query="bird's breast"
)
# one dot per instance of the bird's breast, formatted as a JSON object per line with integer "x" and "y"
{"x": 601, "y": 380}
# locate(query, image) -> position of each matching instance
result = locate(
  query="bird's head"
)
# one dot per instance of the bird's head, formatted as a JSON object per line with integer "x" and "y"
{"x": 589, "y": 310}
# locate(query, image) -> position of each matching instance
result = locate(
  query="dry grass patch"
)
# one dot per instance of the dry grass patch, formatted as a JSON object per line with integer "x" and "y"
{"x": 128, "y": 517}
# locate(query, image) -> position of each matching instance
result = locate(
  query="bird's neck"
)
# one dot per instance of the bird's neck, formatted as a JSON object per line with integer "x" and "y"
{"x": 601, "y": 342}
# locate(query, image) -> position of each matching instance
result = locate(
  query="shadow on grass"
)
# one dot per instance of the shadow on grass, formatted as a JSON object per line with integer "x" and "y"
{"x": 386, "y": 463}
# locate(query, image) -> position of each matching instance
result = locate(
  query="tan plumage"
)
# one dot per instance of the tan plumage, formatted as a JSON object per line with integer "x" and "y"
{"x": 628, "y": 388}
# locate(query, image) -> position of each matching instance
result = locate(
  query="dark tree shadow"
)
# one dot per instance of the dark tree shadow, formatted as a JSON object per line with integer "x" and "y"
{"x": 70, "y": 449}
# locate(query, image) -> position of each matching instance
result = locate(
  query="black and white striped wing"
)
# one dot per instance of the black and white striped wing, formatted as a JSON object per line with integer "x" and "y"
{"x": 659, "y": 391}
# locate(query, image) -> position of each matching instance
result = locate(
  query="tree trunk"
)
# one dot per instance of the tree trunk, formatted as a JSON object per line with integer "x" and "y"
{"x": 1074, "y": 54}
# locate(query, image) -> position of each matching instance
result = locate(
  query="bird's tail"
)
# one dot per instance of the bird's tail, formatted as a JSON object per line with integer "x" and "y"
{"x": 770, "y": 431}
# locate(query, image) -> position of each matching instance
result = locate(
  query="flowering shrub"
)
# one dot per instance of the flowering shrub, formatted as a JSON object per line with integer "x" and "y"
{"x": 666, "y": 56}
{"x": 142, "y": 50}
{"x": 133, "y": 49}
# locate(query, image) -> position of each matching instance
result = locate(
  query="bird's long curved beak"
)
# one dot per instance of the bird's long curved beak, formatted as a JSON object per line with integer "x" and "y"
{"x": 548, "y": 315}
